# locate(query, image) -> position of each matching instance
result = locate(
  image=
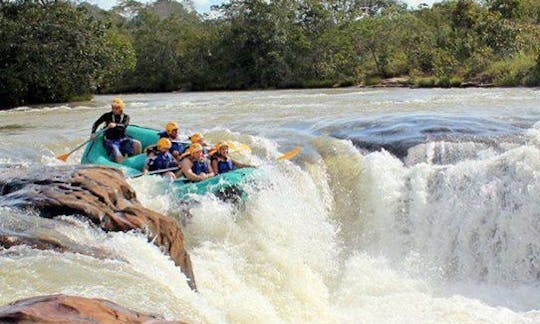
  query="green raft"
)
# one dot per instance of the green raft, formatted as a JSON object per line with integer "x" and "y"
{"x": 226, "y": 185}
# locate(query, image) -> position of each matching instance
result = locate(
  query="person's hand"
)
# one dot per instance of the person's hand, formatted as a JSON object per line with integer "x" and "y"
{"x": 145, "y": 171}
{"x": 171, "y": 175}
{"x": 111, "y": 125}
{"x": 93, "y": 136}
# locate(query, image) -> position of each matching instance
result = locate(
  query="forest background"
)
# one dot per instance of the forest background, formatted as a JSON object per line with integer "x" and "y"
{"x": 58, "y": 51}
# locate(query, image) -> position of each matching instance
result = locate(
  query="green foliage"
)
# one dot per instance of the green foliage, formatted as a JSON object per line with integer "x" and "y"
{"x": 534, "y": 79}
{"x": 372, "y": 80}
{"x": 425, "y": 82}
{"x": 516, "y": 71}
{"x": 51, "y": 52}
{"x": 57, "y": 51}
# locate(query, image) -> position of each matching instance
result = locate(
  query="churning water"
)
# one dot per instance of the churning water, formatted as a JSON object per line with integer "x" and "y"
{"x": 405, "y": 206}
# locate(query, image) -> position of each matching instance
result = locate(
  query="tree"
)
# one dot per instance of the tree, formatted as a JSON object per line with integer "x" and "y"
{"x": 51, "y": 52}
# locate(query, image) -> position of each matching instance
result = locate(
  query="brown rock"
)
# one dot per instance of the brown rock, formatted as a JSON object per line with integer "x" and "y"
{"x": 72, "y": 309}
{"x": 99, "y": 193}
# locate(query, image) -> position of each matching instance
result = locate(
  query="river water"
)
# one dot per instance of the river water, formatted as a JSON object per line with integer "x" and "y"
{"x": 405, "y": 206}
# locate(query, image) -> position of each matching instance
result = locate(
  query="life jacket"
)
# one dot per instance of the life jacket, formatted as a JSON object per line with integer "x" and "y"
{"x": 116, "y": 132}
{"x": 177, "y": 145}
{"x": 225, "y": 166}
{"x": 161, "y": 161}
{"x": 200, "y": 167}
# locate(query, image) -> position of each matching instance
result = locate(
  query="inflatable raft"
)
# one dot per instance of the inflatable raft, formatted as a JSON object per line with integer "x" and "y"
{"x": 226, "y": 185}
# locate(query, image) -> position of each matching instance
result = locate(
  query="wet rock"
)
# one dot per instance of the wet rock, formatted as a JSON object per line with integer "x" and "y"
{"x": 100, "y": 194}
{"x": 23, "y": 228}
{"x": 72, "y": 309}
{"x": 8, "y": 240}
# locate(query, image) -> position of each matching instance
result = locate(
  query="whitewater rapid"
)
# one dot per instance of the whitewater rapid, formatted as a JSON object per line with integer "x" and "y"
{"x": 404, "y": 207}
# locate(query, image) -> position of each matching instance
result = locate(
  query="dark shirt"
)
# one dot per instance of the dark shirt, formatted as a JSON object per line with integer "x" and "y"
{"x": 121, "y": 121}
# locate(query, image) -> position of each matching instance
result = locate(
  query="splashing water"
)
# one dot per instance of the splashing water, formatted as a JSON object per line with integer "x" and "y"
{"x": 447, "y": 231}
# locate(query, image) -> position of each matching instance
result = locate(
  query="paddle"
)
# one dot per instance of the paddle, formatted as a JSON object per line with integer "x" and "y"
{"x": 239, "y": 147}
{"x": 289, "y": 155}
{"x": 64, "y": 157}
{"x": 156, "y": 172}
{"x": 286, "y": 156}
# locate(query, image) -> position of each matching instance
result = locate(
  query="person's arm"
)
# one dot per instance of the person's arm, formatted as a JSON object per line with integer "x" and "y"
{"x": 98, "y": 122}
{"x": 188, "y": 173}
{"x": 241, "y": 165}
{"x": 215, "y": 166}
{"x": 147, "y": 164}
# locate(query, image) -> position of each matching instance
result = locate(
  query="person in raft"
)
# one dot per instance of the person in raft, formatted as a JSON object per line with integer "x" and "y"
{"x": 221, "y": 162}
{"x": 171, "y": 133}
{"x": 197, "y": 138}
{"x": 195, "y": 166}
{"x": 161, "y": 158}
{"x": 115, "y": 140}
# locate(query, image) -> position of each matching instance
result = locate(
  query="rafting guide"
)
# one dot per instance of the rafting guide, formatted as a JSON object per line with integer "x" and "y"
{"x": 116, "y": 142}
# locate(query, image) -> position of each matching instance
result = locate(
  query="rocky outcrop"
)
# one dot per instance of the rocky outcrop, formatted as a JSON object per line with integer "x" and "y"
{"x": 72, "y": 309}
{"x": 100, "y": 194}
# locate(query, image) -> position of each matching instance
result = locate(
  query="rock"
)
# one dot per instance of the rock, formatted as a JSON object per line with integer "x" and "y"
{"x": 100, "y": 194}
{"x": 476, "y": 84}
{"x": 402, "y": 81}
{"x": 72, "y": 309}
{"x": 23, "y": 228}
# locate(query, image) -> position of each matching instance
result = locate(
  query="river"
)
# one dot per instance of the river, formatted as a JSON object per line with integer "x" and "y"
{"x": 404, "y": 206}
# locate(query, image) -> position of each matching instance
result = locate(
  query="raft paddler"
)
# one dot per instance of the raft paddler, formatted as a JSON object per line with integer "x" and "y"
{"x": 195, "y": 166}
{"x": 171, "y": 133}
{"x": 115, "y": 140}
{"x": 161, "y": 158}
{"x": 221, "y": 162}
{"x": 197, "y": 138}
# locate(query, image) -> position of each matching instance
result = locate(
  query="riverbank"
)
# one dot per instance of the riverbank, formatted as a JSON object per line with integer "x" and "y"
{"x": 426, "y": 82}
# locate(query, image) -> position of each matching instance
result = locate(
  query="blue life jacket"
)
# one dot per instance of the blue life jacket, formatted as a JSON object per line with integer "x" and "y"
{"x": 200, "y": 167}
{"x": 176, "y": 144}
{"x": 225, "y": 166}
{"x": 161, "y": 161}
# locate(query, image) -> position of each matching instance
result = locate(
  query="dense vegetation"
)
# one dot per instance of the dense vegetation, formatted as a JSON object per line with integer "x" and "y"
{"x": 54, "y": 51}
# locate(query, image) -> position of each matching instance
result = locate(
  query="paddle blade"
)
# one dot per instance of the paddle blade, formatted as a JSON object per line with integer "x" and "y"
{"x": 63, "y": 157}
{"x": 239, "y": 147}
{"x": 289, "y": 155}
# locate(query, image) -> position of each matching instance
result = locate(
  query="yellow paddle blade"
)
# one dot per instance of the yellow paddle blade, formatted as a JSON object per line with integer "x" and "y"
{"x": 289, "y": 155}
{"x": 238, "y": 147}
{"x": 63, "y": 157}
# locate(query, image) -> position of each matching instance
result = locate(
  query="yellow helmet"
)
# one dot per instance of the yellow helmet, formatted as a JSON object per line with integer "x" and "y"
{"x": 218, "y": 147}
{"x": 117, "y": 102}
{"x": 164, "y": 143}
{"x": 221, "y": 145}
{"x": 195, "y": 138}
{"x": 170, "y": 127}
{"x": 194, "y": 148}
